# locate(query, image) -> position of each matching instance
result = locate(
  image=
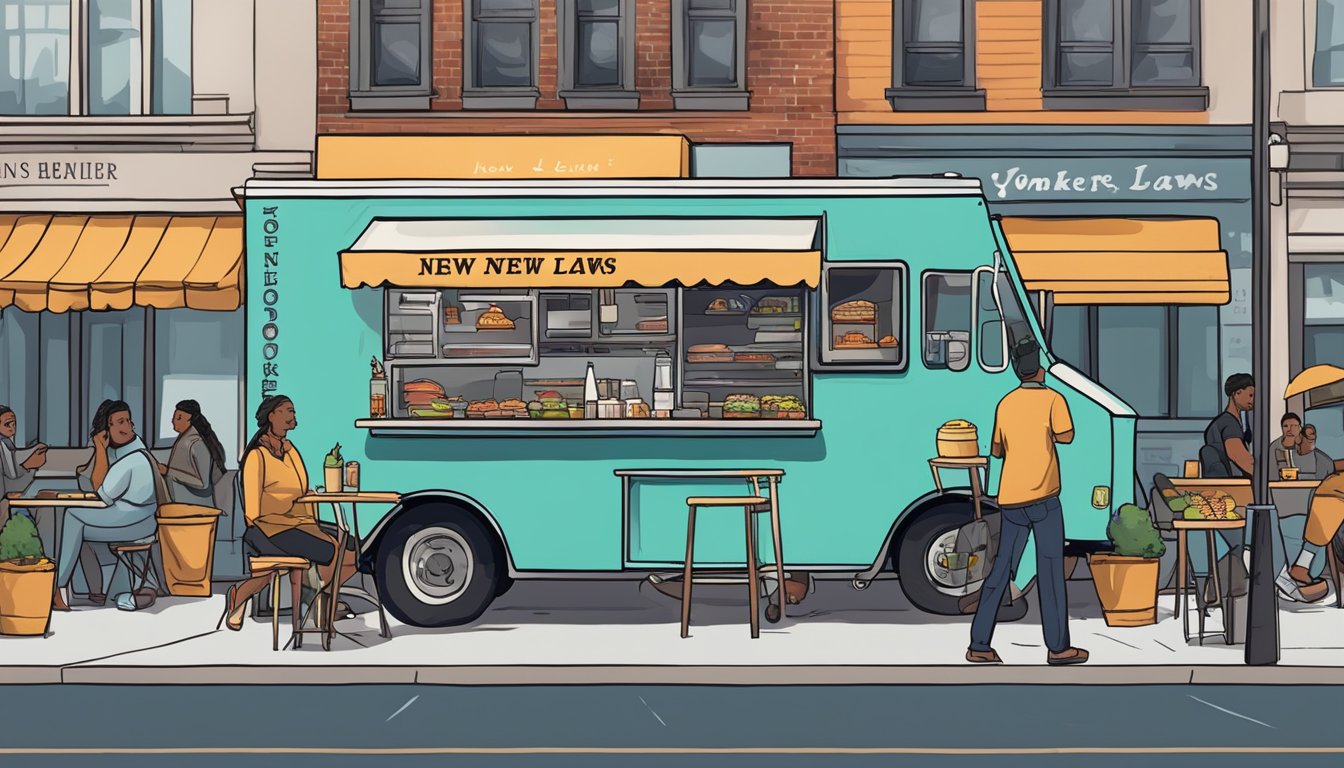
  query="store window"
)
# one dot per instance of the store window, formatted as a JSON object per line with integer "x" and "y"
{"x": 500, "y": 54}
{"x": 947, "y": 320}
{"x": 390, "y": 47}
{"x": 1323, "y": 314}
{"x": 864, "y": 316}
{"x": 597, "y": 58}
{"x": 1123, "y": 54}
{"x": 709, "y": 58}
{"x": 199, "y": 356}
{"x": 133, "y": 57}
{"x": 1169, "y": 367}
{"x": 1327, "y": 66}
{"x": 933, "y": 58}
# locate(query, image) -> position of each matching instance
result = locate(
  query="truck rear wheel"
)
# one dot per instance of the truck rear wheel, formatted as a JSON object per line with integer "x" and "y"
{"x": 941, "y": 561}
{"x": 439, "y": 566}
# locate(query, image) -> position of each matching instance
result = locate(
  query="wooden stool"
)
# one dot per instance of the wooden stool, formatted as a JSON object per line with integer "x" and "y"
{"x": 280, "y": 567}
{"x": 138, "y": 558}
{"x": 751, "y": 506}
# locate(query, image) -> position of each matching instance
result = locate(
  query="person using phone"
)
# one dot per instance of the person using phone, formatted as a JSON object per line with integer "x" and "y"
{"x": 16, "y": 475}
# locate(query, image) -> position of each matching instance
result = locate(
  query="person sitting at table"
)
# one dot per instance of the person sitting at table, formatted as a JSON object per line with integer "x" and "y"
{"x": 1291, "y": 424}
{"x": 197, "y": 459}
{"x": 1312, "y": 463}
{"x": 122, "y": 474}
{"x": 1225, "y": 452}
{"x": 278, "y": 524}
{"x": 15, "y": 475}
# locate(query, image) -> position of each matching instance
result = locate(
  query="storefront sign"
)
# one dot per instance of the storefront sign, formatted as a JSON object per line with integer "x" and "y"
{"x": 590, "y": 269}
{"x": 1143, "y": 179}
{"x": 502, "y": 157}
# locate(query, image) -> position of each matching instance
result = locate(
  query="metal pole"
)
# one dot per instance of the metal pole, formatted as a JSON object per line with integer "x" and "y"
{"x": 1262, "y": 630}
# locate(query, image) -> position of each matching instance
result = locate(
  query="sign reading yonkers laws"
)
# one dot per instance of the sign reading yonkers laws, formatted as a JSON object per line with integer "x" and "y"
{"x": 502, "y": 157}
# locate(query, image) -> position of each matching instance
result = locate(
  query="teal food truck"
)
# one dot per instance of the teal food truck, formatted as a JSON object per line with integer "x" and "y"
{"x": 539, "y": 336}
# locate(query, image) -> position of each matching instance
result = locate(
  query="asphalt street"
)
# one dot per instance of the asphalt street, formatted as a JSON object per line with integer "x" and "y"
{"x": 671, "y": 726}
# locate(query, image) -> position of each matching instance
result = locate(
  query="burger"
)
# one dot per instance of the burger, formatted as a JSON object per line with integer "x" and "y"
{"x": 513, "y": 408}
{"x": 548, "y": 405}
{"x": 741, "y": 406}
{"x": 482, "y": 408}
{"x": 421, "y": 394}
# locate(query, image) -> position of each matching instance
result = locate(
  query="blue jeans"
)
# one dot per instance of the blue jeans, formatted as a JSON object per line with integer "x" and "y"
{"x": 1045, "y": 519}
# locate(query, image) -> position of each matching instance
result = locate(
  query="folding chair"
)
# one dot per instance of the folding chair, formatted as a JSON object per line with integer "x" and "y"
{"x": 137, "y": 557}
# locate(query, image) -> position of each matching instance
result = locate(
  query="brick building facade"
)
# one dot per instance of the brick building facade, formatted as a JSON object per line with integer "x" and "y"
{"x": 787, "y": 56}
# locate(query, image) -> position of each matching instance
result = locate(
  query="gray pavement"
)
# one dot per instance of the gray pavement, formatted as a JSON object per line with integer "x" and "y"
{"x": 778, "y": 726}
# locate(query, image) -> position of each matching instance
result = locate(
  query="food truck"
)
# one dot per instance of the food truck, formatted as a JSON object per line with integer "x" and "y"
{"x": 536, "y": 336}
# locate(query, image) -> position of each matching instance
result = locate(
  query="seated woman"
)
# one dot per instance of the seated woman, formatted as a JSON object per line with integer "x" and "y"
{"x": 278, "y": 525}
{"x": 197, "y": 460}
{"x": 122, "y": 474}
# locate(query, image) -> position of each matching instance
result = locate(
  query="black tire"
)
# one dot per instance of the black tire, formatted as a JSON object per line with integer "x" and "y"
{"x": 908, "y": 561}
{"x": 503, "y": 584}
{"x": 465, "y": 530}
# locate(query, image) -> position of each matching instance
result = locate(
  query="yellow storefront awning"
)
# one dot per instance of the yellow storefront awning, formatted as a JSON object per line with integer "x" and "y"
{"x": 1121, "y": 261}
{"x": 582, "y": 253}
{"x": 64, "y": 263}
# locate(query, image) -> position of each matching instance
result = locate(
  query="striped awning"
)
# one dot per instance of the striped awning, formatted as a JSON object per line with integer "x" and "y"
{"x": 64, "y": 263}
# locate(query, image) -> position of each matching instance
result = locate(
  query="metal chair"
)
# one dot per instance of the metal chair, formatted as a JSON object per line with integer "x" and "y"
{"x": 137, "y": 557}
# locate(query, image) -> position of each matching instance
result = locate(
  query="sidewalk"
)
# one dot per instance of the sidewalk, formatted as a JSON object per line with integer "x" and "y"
{"x": 623, "y": 632}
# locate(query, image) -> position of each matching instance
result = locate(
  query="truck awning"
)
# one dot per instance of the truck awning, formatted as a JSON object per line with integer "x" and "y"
{"x": 1121, "y": 261}
{"x": 583, "y": 253}
{"x": 62, "y": 263}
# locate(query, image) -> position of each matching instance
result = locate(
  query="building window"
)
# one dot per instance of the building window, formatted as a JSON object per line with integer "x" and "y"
{"x": 1323, "y": 314}
{"x": 1176, "y": 349}
{"x": 597, "y": 54}
{"x": 390, "y": 45}
{"x": 933, "y": 56}
{"x": 500, "y": 54}
{"x": 103, "y": 43}
{"x": 1123, "y": 54}
{"x": 709, "y": 58}
{"x": 1327, "y": 67}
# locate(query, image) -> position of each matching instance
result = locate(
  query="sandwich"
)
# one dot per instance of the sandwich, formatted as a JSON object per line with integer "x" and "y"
{"x": 753, "y": 357}
{"x": 854, "y": 339}
{"x": 548, "y": 405}
{"x": 709, "y": 353}
{"x": 421, "y": 394}
{"x": 494, "y": 319}
{"x": 773, "y": 305}
{"x": 656, "y": 325}
{"x": 782, "y": 407}
{"x": 741, "y": 406}
{"x": 513, "y": 407}
{"x": 482, "y": 408}
{"x": 858, "y": 311}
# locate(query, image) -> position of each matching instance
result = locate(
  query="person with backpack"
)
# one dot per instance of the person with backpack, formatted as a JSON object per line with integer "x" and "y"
{"x": 196, "y": 462}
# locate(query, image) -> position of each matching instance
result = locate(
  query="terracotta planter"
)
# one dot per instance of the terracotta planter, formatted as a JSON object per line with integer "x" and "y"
{"x": 25, "y": 597}
{"x": 1127, "y": 589}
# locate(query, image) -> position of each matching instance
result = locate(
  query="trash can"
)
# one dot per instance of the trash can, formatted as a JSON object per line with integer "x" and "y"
{"x": 187, "y": 543}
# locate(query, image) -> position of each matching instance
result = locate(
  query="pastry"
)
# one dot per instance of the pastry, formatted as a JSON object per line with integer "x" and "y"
{"x": 709, "y": 353}
{"x": 493, "y": 319}
{"x": 718, "y": 305}
{"x": 887, "y": 341}
{"x": 854, "y": 340}
{"x": 659, "y": 325}
{"x": 859, "y": 311}
{"x": 753, "y": 357}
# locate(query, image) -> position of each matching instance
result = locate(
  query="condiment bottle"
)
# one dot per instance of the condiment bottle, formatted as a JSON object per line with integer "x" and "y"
{"x": 662, "y": 382}
{"x": 377, "y": 391}
{"x": 590, "y": 394}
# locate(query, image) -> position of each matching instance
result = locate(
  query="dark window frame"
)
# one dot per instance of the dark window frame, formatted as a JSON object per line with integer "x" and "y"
{"x": 823, "y": 320}
{"x": 904, "y": 97}
{"x": 1121, "y": 93}
{"x": 498, "y": 97}
{"x": 924, "y": 304}
{"x": 624, "y": 94}
{"x": 364, "y": 94}
{"x": 711, "y": 98}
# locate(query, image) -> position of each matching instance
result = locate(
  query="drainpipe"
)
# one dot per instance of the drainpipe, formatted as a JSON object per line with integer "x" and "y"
{"x": 1262, "y": 626}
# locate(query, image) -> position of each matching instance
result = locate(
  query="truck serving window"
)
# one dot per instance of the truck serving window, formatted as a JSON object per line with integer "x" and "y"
{"x": 947, "y": 320}
{"x": 863, "y": 316}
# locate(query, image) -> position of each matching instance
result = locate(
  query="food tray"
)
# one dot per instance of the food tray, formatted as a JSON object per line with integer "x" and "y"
{"x": 888, "y": 345}
{"x": 783, "y": 414}
{"x": 855, "y": 346}
{"x": 865, "y": 320}
{"x": 741, "y": 414}
{"x": 721, "y": 357}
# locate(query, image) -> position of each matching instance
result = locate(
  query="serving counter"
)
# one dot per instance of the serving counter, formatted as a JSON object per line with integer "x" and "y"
{"x": 589, "y": 427}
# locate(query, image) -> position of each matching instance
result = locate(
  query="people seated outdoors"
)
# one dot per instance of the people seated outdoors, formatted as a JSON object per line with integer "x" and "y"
{"x": 278, "y": 525}
{"x": 16, "y": 475}
{"x": 1226, "y": 439}
{"x": 196, "y": 462}
{"x": 123, "y": 475}
{"x": 1312, "y": 463}
{"x": 1279, "y": 450}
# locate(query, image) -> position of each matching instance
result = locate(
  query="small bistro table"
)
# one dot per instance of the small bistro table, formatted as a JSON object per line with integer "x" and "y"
{"x": 351, "y": 526}
{"x": 1186, "y": 574}
{"x": 972, "y": 465}
{"x": 63, "y": 501}
{"x": 753, "y": 476}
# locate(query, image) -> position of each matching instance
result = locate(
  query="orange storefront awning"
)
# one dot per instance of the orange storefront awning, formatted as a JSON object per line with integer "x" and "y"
{"x": 582, "y": 253}
{"x": 1121, "y": 261}
{"x": 63, "y": 263}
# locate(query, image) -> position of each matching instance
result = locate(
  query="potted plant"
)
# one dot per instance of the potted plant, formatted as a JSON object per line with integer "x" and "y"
{"x": 27, "y": 579}
{"x": 1126, "y": 577}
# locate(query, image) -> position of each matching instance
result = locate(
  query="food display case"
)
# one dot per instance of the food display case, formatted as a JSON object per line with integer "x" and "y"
{"x": 862, "y": 319}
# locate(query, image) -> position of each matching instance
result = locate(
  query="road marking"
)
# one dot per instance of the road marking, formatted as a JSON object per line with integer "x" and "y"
{"x": 1230, "y": 712}
{"x": 655, "y": 714}
{"x": 927, "y": 751}
{"x": 403, "y": 708}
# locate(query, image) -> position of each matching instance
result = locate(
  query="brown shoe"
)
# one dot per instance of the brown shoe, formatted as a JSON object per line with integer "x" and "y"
{"x": 1067, "y": 656}
{"x": 983, "y": 657}
{"x": 1311, "y": 590}
{"x": 58, "y": 601}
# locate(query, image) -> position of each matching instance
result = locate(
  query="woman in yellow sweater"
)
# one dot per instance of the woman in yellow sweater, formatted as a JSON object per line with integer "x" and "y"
{"x": 273, "y": 479}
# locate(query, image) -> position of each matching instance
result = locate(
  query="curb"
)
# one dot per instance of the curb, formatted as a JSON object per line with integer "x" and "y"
{"x": 314, "y": 674}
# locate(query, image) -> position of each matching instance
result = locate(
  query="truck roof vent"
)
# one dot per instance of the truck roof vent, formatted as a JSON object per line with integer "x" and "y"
{"x": 951, "y": 175}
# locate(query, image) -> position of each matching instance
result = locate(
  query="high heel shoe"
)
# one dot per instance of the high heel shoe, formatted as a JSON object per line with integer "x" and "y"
{"x": 233, "y": 619}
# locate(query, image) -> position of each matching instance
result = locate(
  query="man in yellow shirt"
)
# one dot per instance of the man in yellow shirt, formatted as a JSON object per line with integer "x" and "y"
{"x": 1029, "y": 421}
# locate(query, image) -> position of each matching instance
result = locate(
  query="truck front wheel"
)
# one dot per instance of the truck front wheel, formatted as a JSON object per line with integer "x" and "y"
{"x": 943, "y": 558}
{"x": 439, "y": 567}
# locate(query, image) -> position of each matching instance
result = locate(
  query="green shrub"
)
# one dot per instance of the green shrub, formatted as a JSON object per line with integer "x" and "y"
{"x": 19, "y": 541}
{"x": 1133, "y": 534}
